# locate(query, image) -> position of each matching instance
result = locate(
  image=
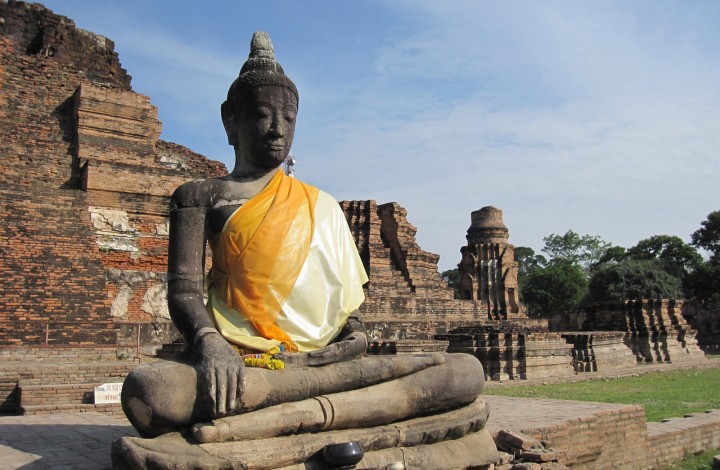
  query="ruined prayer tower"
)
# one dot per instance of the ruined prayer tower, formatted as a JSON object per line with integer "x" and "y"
{"x": 275, "y": 358}
{"x": 488, "y": 270}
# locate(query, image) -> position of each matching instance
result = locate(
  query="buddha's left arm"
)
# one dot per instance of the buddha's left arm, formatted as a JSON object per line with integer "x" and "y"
{"x": 350, "y": 343}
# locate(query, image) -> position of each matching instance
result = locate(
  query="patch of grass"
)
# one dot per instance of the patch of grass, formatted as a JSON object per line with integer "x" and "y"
{"x": 702, "y": 461}
{"x": 663, "y": 394}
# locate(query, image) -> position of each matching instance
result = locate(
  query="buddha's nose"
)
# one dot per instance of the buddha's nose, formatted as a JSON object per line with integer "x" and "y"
{"x": 277, "y": 127}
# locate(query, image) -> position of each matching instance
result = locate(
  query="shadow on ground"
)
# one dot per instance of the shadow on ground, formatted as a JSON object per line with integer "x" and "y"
{"x": 57, "y": 446}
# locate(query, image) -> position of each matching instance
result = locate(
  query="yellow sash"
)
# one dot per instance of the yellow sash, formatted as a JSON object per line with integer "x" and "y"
{"x": 258, "y": 255}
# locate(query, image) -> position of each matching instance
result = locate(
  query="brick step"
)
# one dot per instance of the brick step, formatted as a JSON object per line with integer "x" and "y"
{"x": 169, "y": 350}
{"x": 68, "y": 373}
{"x": 8, "y": 396}
{"x": 394, "y": 346}
{"x": 37, "y": 354}
{"x": 107, "y": 408}
{"x": 56, "y": 394}
{"x": 410, "y": 346}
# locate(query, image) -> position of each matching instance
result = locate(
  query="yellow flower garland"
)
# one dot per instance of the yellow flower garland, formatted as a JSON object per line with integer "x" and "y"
{"x": 265, "y": 361}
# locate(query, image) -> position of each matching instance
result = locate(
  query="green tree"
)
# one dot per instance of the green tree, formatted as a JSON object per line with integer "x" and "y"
{"x": 558, "y": 287}
{"x": 527, "y": 260}
{"x": 614, "y": 254}
{"x": 452, "y": 278}
{"x": 583, "y": 250}
{"x": 634, "y": 279}
{"x": 704, "y": 282}
{"x": 677, "y": 257}
{"x": 708, "y": 236}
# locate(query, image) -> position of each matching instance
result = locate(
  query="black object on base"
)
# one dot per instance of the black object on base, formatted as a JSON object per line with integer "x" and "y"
{"x": 343, "y": 456}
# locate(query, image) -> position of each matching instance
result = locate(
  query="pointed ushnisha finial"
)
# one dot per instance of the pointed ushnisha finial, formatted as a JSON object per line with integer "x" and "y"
{"x": 261, "y": 46}
{"x": 262, "y": 57}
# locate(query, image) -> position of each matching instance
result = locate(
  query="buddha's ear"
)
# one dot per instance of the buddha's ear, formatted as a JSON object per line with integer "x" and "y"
{"x": 227, "y": 119}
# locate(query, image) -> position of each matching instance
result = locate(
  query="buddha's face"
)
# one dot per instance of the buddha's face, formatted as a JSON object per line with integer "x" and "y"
{"x": 265, "y": 126}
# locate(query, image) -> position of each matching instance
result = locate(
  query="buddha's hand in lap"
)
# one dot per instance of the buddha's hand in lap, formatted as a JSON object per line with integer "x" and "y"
{"x": 350, "y": 347}
{"x": 221, "y": 375}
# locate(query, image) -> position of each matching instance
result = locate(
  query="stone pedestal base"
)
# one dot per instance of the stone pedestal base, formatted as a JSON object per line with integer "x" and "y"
{"x": 455, "y": 439}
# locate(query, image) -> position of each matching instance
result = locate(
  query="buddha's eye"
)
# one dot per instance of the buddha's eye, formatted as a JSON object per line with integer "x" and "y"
{"x": 263, "y": 112}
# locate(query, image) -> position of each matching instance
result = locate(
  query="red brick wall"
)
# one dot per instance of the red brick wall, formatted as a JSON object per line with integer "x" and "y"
{"x": 674, "y": 439}
{"x": 606, "y": 439}
{"x": 84, "y": 184}
{"x": 48, "y": 271}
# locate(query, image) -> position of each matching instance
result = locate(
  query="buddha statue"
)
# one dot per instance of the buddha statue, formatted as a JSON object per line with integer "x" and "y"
{"x": 275, "y": 355}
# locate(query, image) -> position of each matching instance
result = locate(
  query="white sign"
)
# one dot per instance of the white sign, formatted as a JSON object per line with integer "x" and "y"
{"x": 108, "y": 393}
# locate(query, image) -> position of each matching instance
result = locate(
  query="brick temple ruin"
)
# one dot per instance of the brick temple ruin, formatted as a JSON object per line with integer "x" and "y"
{"x": 86, "y": 183}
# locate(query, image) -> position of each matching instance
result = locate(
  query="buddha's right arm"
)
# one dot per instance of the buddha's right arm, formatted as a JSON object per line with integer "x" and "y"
{"x": 220, "y": 369}
{"x": 186, "y": 256}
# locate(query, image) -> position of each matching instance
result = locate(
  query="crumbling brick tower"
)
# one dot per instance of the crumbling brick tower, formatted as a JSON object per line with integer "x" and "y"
{"x": 488, "y": 271}
{"x": 85, "y": 184}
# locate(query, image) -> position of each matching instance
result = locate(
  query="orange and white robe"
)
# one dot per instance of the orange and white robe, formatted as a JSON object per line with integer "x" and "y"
{"x": 286, "y": 270}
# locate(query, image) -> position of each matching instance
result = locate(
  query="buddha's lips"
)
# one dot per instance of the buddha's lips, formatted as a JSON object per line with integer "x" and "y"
{"x": 275, "y": 146}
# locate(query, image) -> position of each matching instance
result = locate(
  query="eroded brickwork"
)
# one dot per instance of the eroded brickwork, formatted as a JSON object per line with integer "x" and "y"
{"x": 704, "y": 317}
{"x": 48, "y": 271}
{"x": 85, "y": 188}
{"x": 418, "y": 267}
{"x": 601, "y": 436}
{"x": 396, "y": 265}
{"x": 655, "y": 330}
{"x": 488, "y": 270}
{"x": 407, "y": 303}
{"x": 35, "y": 31}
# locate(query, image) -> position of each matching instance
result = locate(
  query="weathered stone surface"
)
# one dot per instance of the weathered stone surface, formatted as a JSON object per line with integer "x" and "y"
{"x": 417, "y": 392}
{"x": 155, "y": 302}
{"x": 655, "y": 330}
{"x": 526, "y": 466}
{"x": 85, "y": 186}
{"x": 472, "y": 451}
{"x": 488, "y": 270}
{"x": 704, "y": 317}
{"x": 396, "y": 265}
{"x": 407, "y": 437}
{"x": 509, "y": 441}
{"x": 540, "y": 456}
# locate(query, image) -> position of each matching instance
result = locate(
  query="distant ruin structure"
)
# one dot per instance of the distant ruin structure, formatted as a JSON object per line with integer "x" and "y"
{"x": 613, "y": 336}
{"x": 655, "y": 330}
{"x": 407, "y": 304}
{"x": 488, "y": 270}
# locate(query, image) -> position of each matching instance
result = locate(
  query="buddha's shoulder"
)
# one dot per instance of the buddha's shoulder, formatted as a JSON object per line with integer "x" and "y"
{"x": 198, "y": 193}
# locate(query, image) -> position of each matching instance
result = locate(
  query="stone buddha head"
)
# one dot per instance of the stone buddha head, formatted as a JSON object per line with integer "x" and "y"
{"x": 261, "y": 107}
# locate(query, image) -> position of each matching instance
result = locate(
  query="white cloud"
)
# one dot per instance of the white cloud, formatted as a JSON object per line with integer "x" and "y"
{"x": 596, "y": 116}
{"x": 615, "y": 140}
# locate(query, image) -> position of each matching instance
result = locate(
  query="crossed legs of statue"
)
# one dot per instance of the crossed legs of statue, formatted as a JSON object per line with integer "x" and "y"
{"x": 162, "y": 397}
{"x": 356, "y": 397}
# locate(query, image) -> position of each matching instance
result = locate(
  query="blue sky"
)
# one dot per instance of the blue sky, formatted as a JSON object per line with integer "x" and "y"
{"x": 600, "y": 117}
